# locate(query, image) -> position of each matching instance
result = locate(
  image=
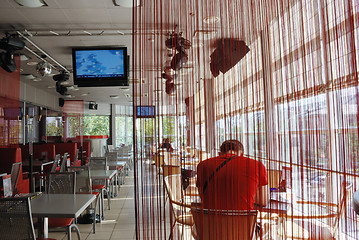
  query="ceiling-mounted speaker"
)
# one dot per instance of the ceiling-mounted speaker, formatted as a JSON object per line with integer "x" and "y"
{"x": 7, "y": 61}
{"x": 227, "y": 54}
{"x": 127, "y": 3}
{"x": 61, "y": 102}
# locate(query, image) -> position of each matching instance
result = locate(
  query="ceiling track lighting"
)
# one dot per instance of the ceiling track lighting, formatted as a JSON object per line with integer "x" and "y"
{"x": 175, "y": 42}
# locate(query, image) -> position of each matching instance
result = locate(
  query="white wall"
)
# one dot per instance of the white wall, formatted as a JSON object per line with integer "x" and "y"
{"x": 39, "y": 97}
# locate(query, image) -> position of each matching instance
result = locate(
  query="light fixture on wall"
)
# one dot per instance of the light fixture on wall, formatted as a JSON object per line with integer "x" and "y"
{"x": 127, "y": 3}
{"x": 31, "y": 3}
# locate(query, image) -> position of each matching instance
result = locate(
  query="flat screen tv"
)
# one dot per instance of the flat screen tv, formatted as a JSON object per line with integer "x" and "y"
{"x": 145, "y": 112}
{"x": 95, "y": 67}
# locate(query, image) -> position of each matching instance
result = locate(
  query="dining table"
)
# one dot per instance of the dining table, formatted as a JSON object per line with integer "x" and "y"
{"x": 46, "y": 206}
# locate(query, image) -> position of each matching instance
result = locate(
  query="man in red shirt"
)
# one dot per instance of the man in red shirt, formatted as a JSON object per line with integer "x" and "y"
{"x": 232, "y": 181}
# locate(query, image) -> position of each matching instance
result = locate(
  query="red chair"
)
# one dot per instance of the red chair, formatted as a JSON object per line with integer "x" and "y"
{"x": 8, "y": 157}
{"x": 63, "y": 183}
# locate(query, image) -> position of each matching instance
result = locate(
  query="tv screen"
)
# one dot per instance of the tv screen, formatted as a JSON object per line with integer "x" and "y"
{"x": 94, "y": 67}
{"x": 145, "y": 112}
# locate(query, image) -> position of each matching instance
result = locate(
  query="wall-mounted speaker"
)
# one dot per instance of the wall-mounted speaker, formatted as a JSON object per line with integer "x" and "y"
{"x": 61, "y": 102}
{"x": 93, "y": 106}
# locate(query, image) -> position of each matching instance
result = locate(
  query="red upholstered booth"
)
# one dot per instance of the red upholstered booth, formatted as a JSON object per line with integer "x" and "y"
{"x": 39, "y": 151}
{"x": 8, "y": 157}
{"x": 69, "y": 148}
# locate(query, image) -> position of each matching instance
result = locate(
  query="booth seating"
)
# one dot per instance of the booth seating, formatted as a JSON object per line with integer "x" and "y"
{"x": 40, "y": 151}
{"x": 71, "y": 149}
{"x": 8, "y": 157}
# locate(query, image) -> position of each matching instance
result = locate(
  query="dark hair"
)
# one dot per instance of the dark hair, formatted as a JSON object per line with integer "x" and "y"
{"x": 233, "y": 145}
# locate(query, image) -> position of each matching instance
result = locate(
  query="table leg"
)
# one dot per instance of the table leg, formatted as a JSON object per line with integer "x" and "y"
{"x": 43, "y": 227}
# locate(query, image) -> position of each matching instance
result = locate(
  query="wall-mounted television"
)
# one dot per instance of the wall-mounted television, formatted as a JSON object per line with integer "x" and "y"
{"x": 96, "y": 67}
{"x": 145, "y": 112}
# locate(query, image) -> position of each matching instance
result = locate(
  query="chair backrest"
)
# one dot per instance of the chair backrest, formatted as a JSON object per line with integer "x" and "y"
{"x": 345, "y": 192}
{"x": 170, "y": 170}
{"x": 83, "y": 179}
{"x": 62, "y": 183}
{"x": 55, "y": 163}
{"x": 63, "y": 162}
{"x": 111, "y": 156}
{"x": 98, "y": 163}
{"x": 173, "y": 185}
{"x": 211, "y": 224}
{"x": 15, "y": 172}
{"x": 15, "y": 219}
{"x": 274, "y": 177}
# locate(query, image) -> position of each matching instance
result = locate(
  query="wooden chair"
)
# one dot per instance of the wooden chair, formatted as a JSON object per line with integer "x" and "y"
{"x": 274, "y": 177}
{"x": 313, "y": 226}
{"x": 16, "y": 219}
{"x": 180, "y": 209}
{"x": 212, "y": 224}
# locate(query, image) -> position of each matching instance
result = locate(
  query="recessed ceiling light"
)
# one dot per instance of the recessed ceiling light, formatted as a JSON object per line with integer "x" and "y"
{"x": 31, "y": 3}
{"x": 84, "y": 94}
{"x": 33, "y": 63}
{"x": 24, "y": 57}
{"x": 211, "y": 20}
{"x": 114, "y": 96}
{"x": 125, "y": 89}
{"x": 66, "y": 83}
{"x": 28, "y": 76}
{"x": 68, "y": 95}
{"x": 36, "y": 79}
{"x": 49, "y": 87}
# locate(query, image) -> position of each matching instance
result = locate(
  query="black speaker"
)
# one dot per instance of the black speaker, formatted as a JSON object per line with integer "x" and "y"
{"x": 92, "y": 106}
{"x": 61, "y": 102}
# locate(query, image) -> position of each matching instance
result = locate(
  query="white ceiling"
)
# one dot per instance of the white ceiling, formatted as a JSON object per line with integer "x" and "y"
{"x": 81, "y": 23}
{"x": 109, "y": 25}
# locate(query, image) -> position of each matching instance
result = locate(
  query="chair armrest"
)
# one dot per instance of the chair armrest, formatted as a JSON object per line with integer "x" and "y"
{"x": 317, "y": 203}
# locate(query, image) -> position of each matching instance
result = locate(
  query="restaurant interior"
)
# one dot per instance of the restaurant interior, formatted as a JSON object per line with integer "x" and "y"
{"x": 107, "y": 108}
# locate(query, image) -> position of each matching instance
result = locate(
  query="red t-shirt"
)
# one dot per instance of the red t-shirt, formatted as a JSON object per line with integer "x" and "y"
{"x": 234, "y": 186}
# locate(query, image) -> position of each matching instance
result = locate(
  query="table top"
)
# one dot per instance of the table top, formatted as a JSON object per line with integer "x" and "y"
{"x": 60, "y": 205}
{"x": 356, "y": 201}
{"x": 102, "y": 174}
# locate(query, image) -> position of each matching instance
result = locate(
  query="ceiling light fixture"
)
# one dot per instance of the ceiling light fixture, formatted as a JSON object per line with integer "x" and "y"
{"x": 31, "y": 3}
{"x": 211, "y": 20}
{"x": 114, "y": 96}
{"x": 28, "y": 76}
{"x": 33, "y": 63}
{"x": 127, "y": 3}
{"x": 84, "y": 94}
{"x": 36, "y": 79}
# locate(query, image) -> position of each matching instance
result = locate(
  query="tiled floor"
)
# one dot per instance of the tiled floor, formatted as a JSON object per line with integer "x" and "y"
{"x": 119, "y": 222}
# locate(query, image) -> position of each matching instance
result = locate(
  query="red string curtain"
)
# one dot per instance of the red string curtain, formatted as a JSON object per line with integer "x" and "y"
{"x": 291, "y": 98}
{"x": 73, "y": 112}
{"x": 10, "y": 112}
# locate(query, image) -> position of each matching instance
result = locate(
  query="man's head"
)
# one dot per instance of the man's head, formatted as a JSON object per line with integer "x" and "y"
{"x": 232, "y": 146}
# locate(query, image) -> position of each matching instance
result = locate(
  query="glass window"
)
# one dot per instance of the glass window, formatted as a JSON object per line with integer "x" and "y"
{"x": 54, "y": 126}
